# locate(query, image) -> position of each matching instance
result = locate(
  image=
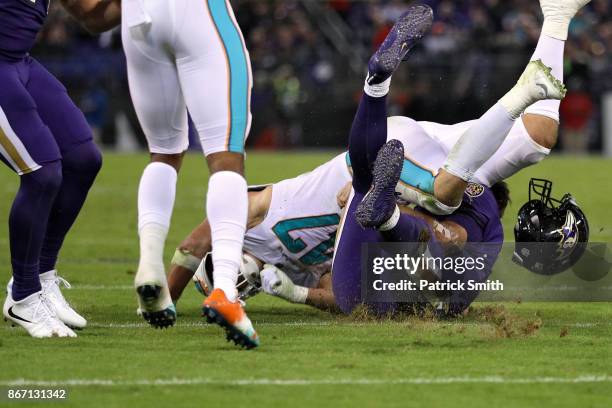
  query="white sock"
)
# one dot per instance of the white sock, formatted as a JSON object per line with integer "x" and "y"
{"x": 391, "y": 222}
{"x": 155, "y": 203}
{"x": 550, "y": 50}
{"x": 557, "y": 19}
{"x": 227, "y": 210}
{"x": 479, "y": 143}
{"x": 377, "y": 90}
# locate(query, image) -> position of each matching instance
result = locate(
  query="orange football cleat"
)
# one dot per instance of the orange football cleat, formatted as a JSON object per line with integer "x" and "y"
{"x": 231, "y": 316}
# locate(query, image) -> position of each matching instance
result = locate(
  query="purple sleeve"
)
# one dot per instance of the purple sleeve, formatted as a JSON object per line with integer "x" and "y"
{"x": 474, "y": 229}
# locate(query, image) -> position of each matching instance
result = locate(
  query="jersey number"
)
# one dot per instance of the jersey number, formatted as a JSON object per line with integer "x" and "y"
{"x": 318, "y": 254}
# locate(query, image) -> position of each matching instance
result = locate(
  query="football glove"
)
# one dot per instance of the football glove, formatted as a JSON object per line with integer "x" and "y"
{"x": 276, "y": 283}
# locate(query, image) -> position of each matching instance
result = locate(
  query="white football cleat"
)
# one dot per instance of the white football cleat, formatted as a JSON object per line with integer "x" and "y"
{"x": 154, "y": 302}
{"x": 35, "y": 315}
{"x": 50, "y": 283}
{"x": 536, "y": 84}
{"x": 558, "y": 14}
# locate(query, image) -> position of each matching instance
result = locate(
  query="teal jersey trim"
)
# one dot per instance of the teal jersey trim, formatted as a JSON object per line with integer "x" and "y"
{"x": 412, "y": 175}
{"x": 239, "y": 73}
{"x": 418, "y": 177}
{"x": 318, "y": 254}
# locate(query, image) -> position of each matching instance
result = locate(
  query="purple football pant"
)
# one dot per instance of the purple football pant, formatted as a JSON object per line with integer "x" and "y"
{"x": 45, "y": 139}
{"x": 368, "y": 135}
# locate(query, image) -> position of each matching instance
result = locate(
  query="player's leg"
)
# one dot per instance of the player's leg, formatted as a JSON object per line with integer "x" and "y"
{"x": 369, "y": 131}
{"x": 542, "y": 113}
{"x": 81, "y": 162}
{"x": 367, "y": 143}
{"x": 159, "y": 104}
{"x": 28, "y": 148}
{"x": 396, "y": 227}
{"x": 487, "y": 134}
{"x": 215, "y": 74}
{"x": 531, "y": 138}
{"x": 542, "y": 118}
{"x": 346, "y": 267}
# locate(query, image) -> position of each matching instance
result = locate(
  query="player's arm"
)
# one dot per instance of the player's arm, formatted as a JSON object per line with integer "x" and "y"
{"x": 96, "y": 16}
{"x": 187, "y": 258}
{"x": 447, "y": 233}
{"x": 192, "y": 250}
{"x": 275, "y": 282}
{"x": 322, "y": 297}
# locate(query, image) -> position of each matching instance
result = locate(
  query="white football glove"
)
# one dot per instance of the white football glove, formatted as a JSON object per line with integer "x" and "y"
{"x": 276, "y": 283}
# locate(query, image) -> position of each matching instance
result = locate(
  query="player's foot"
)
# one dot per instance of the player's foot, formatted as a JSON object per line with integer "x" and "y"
{"x": 380, "y": 204}
{"x": 231, "y": 316}
{"x": 405, "y": 34}
{"x": 35, "y": 315}
{"x": 536, "y": 84}
{"x": 558, "y": 14}
{"x": 50, "y": 283}
{"x": 155, "y": 305}
{"x": 154, "y": 301}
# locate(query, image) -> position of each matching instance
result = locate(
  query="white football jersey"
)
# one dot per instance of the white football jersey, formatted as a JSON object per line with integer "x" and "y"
{"x": 427, "y": 144}
{"x": 299, "y": 230}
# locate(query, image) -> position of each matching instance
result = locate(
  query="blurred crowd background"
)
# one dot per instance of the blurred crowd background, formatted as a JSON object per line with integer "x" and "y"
{"x": 309, "y": 59}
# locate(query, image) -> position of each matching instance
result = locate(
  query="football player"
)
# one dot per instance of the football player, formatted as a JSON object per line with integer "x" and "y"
{"x": 472, "y": 157}
{"x": 44, "y": 139}
{"x": 426, "y": 148}
{"x": 373, "y": 214}
{"x": 190, "y": 55}
{"x": 291, "y": 224}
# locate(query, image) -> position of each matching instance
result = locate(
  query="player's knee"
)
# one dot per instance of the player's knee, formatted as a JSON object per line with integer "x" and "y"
{"x": 85, "y": 160}
{"x": 542, "y": 130}
{"x": 47, "y": 179}
{"x": 93, "y": 158}
{"x": 547, "y": 139}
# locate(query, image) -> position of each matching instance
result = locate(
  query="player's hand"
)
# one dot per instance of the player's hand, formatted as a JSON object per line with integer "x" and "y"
{"x": 276, "y": 283}
{"x": 344, "y": 195}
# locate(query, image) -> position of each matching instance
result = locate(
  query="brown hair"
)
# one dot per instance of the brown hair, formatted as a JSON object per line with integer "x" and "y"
{"x": 502, "y": 196}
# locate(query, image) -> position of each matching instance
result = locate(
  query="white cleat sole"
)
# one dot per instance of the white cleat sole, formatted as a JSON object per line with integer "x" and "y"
{"x": 155, "y": 305}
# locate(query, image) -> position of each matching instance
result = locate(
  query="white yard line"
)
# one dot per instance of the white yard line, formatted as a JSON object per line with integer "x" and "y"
{"x": 305, "y": 382}
{"x": 103, "y": 287}
{"x": 139, "y": 325}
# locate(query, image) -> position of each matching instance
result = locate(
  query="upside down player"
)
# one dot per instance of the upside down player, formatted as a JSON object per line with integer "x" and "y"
{"x": 427, "y": 144}
{"x": 45, "y": 139}
{"x": 373, "y": 214}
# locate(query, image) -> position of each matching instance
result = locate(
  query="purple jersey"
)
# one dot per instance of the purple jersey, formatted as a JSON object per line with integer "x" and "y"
{"x": 20, "y": 22}
{"x": 479, "y": 215}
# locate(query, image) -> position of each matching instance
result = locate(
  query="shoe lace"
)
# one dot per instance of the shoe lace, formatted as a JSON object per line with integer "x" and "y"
{"x": 52, "y": 289}
{"x": 63, "y": 281}
{"x": 43, "y": 310}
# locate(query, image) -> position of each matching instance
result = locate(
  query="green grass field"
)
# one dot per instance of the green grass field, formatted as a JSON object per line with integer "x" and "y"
{"x": 515, "y": 355}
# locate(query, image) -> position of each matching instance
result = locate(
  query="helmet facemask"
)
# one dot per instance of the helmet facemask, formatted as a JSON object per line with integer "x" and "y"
{"x": 550, "y": 234}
